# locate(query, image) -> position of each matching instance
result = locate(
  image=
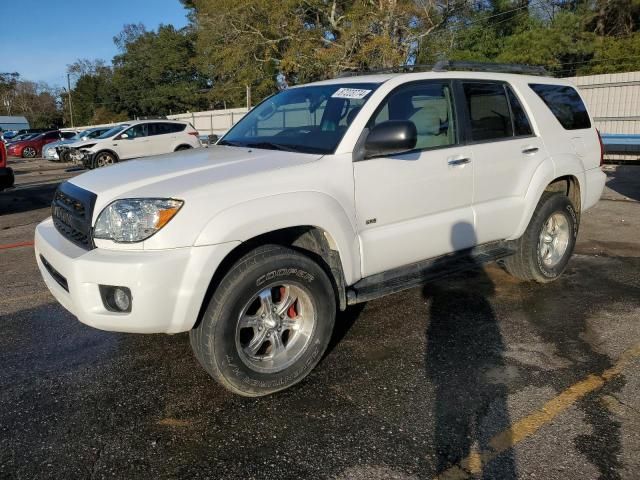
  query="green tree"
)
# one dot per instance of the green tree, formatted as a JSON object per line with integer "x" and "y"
{"x": 93, "y": 90}
{"x": 155, "y": 74}
{"x": 251, "y": 43}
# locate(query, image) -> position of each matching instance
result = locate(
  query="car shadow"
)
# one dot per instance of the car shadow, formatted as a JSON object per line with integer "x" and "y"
{"x": 625, "y": 180}
{"x": 27, "y": 198}
{"x": 464, "y": 360}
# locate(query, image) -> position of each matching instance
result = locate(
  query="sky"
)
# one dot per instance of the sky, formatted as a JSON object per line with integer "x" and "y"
{"x": 39, "y": 38}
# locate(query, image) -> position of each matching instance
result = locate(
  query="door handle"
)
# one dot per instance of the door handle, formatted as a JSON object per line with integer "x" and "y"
{"x": 530, "y": 150}
{"x": 457, "y": 161}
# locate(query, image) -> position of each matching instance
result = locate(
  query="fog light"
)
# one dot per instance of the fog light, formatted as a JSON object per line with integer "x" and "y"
{"x": 116, "y": 299}
{"x": 121, "y": 299}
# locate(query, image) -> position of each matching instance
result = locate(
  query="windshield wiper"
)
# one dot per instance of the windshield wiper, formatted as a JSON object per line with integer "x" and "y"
{"x": 230, "y": 144}
{"x": 273, "y": 146}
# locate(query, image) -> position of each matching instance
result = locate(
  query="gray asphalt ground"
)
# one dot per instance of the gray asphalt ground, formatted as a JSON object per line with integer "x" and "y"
{"x": 474, "y": 376}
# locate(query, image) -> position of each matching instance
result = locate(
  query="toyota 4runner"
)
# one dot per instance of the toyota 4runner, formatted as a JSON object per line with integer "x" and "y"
{"x": 323, "y": 196}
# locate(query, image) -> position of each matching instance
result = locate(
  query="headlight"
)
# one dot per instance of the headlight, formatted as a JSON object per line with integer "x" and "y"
{"x": 135, "y": 219}
{"x": 89, "y": 145}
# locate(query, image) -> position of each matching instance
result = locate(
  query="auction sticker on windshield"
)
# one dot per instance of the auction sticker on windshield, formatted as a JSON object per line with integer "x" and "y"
{"x": 355, "y": 93}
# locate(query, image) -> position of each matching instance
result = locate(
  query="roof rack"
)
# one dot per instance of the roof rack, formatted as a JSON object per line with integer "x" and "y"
{"x": 447, "y": 65}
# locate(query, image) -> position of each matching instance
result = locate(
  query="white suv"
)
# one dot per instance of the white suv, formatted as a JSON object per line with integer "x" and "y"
{"x": 324, "y": 196}
{"x": 133, "y": 140}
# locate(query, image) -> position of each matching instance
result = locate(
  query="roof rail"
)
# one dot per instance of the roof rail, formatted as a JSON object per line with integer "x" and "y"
{"x": 446, "y": 65}
{"x": 418, "y": 67}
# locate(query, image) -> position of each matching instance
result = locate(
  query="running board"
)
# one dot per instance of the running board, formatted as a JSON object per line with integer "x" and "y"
{"x": 403, "y": 278}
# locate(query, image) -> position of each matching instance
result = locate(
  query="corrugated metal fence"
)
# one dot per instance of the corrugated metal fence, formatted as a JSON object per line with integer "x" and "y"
{"x": 613, "y": 100}
{"x": 212, "y": 121}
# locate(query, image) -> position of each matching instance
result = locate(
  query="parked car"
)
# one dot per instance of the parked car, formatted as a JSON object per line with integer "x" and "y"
{"x": 325, "y": 195}
{"x": 22, "y": 136}
{"x": 133, "y": 140}
{"x": 8, "y": 135}
{"x": 32, "y": 147}
{"x": 51, "y": 150}
{"x": 6, "y": 173}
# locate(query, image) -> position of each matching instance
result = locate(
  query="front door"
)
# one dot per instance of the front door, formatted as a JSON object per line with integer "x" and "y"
{"x": 135, "y": 144}
{"x": 416, "y": 205}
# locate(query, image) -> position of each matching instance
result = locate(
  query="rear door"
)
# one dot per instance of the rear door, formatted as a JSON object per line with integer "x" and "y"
{"x": 416, "y": 205}
{"x": 161, "y": 137}
{"x": 506, "y": 153}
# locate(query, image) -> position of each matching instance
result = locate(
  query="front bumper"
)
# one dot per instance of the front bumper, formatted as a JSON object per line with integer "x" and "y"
{"x": 50, "y": 153}
{"x": 14, "y": 152}
{"x": 6, "y": 178}
{"x": 167, "y": 286}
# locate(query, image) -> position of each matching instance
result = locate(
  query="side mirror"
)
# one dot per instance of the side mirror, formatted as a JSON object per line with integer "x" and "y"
{"x": 391, "y": 137}
{"x": 213, "y": 139}
{"x": 124, "y": 136}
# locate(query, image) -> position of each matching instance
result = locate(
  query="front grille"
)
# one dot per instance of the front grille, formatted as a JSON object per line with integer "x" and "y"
{"x": 72, "y": 209}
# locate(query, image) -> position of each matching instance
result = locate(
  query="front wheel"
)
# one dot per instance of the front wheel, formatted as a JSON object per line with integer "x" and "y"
{"x": 29, "y": 152}
{"x": 543, "y": 251}
{"x": 104, "y": 159}
{"x": 268, "y": 323}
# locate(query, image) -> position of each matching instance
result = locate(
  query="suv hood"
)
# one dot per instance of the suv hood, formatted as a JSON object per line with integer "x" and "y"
{"x": 186, "y": 173}
{"x": 82, "y": 143}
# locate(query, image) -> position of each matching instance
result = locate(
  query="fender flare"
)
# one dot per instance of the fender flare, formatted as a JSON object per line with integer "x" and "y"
{"x": 255, "y": 217}
{"x": 547, "y": 172}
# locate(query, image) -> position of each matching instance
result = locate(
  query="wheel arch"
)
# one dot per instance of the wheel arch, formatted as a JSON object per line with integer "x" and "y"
{"x": 548, "y": 178}
{"x": 108, "y": 150}
{"x": 307, "y": 239}
{"x": 264, "y": 216}
{"x": 182, "y": 146}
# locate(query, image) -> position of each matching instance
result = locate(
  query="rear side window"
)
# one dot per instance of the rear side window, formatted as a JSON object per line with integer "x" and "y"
{"x": 175, "y": 127}
{"x": 565, "y": 103}
{"x": 489, "y": 112}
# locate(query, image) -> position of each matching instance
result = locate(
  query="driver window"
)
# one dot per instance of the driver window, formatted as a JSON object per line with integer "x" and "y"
{"x": 137, "y": 131}
{"x": 428, "y": 106}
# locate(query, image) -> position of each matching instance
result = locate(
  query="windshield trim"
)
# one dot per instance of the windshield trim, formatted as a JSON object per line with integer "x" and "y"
{"x": 112, "y": 131}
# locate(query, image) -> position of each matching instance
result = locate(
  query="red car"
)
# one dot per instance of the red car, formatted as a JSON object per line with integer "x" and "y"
{"x": 33, "y": 147}
{"x": 6, "y": 174}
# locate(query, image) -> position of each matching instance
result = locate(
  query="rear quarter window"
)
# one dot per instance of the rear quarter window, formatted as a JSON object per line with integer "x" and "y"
{"x": 565, "y": 104}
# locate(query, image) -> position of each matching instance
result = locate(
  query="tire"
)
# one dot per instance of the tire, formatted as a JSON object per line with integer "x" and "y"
{"x": 236, "y": 323}
{"x": 542, "y": 256}
{"x": 104, "y": 159}
{"x": 182, "y": 147}
{"x": 29, "y": 152}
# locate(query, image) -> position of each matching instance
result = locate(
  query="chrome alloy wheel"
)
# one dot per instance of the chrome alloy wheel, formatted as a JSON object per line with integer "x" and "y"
{"x": 554, "y": 240}
{"x": 29, "y": 152}
{"x": 104, "y": 159}
{"x": 275, "y": 327}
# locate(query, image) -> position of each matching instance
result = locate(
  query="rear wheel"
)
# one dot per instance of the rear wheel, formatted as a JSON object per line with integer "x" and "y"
{"x": 543, "y": 251}
{"x": 29, "y": 152}
{"x": 182, "y": 147}
{"x": 268, "y": 323}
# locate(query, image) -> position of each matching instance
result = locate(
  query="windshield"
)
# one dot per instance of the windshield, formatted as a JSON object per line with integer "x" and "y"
{"x": 112, "y": 131}
{"x": 309, "y": 119}
{"x": 79, "y": 135}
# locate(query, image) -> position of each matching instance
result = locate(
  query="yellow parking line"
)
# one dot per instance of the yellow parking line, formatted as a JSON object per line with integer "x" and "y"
{"x": 472, "y": 464}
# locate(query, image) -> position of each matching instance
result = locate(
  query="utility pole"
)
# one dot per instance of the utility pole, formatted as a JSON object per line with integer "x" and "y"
{"x": 70, "y": 104}
{"x": 248, "y": 98}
